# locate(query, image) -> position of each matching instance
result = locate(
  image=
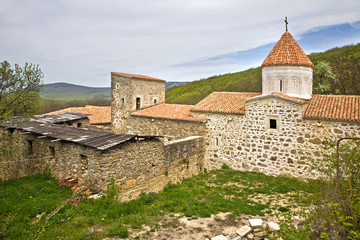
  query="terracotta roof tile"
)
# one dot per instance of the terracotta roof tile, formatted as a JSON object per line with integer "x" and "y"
{"x": 137, "y": 76}
{"x": 224, "y": 102}
{"x": 99, "y": 115}
{"x": 169, "y": 111}
{"x": 334, "y": 107}
{"x": 287, "y": 52}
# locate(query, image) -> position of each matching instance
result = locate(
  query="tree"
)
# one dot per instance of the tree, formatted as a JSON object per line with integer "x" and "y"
{"x": 19, "y": 90}
{"x": 347, "y": 71}
{"x": 324, "y": 80}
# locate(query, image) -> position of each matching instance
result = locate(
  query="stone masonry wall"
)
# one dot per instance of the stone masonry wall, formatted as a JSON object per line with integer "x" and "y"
{"x": 224, "y": 136}
{"x": 136, "y": 166}
{"x": 125, "y": 91}
{"x": 22, "y": 162}
{"x": 245, "y": 142}
{"x": 164, "y": 127}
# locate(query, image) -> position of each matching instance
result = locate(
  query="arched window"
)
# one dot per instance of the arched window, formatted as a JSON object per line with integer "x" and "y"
{"x": 281, "y": 85}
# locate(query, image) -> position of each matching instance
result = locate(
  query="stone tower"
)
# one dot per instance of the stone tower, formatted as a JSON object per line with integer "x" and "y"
{"x": 287, "y": 69}
{"x": 130, "y": 93}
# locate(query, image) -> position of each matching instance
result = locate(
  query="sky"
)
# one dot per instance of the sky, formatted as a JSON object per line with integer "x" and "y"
{"x": 81, "y": 42}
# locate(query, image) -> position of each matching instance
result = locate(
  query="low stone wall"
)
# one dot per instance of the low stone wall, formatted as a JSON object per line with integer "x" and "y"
{"x": 179, "y": 159}
{"x": 137, "y": 166}
{"x": 164, "y": 127}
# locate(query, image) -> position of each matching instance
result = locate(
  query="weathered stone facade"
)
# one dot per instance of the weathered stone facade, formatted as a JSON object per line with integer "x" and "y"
{"x": 246, "y": 142}
{"x": 171, "y": 128}
{"x": 131, "y": 93}
{"x": 137, "y": 166}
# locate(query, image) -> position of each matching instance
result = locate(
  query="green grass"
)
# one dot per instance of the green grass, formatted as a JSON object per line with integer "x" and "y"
{"x": 21, "y": 200}
{"x": 200, "y": 196}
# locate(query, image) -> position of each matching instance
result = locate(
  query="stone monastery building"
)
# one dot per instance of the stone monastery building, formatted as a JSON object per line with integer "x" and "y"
{"x": 278, "y": 131}
{"x": 151, "y": 143}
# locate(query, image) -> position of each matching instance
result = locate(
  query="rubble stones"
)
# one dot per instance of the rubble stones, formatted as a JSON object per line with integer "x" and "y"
{"x": 254, "y": 230}
{"x": 256, "y": 223}
{"x": 244, "y": 230}
{"x": 272, "y": 226}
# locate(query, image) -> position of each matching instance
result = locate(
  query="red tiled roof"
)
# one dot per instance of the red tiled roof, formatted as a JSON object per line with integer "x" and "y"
{"x": 224, "y": 102}
{"x": 334, "y": 107}
{"x": 138, "y": 76}
{"x": 287, "y": 52}
{"x": 99, "y": 115}
{"x": 169, "y": 111}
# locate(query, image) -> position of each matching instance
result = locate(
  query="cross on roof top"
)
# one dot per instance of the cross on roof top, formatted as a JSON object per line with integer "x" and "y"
{"x": 286, "y": 23}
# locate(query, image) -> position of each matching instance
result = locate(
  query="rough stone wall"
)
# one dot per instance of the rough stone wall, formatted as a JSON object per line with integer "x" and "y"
{"x": 22, "y": 162}
{"x": 224, "y": 143}
{"x": 125, "y": 91}
{"x": 164, "y": 127}
{"x": 178, "y": 159}
{"x": 136, "y": 166}
{"x": 245, "y": 142}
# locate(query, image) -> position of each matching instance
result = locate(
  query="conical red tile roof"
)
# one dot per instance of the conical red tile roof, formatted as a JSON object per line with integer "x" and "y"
{"x": 287, "y": 52}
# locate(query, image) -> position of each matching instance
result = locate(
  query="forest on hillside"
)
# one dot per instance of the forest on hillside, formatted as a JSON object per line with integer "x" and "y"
{"x": 337, "y": 71}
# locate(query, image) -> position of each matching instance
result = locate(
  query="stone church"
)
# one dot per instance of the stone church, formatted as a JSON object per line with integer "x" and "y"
{"x": 278, "y": 131}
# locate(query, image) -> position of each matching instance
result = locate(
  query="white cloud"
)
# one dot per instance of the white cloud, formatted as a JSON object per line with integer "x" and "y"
{"x": 83, "y": 41}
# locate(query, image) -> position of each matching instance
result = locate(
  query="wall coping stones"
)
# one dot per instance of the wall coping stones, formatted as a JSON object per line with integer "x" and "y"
{"x": 181, "y": 140}
{"x": 272, "y": 95}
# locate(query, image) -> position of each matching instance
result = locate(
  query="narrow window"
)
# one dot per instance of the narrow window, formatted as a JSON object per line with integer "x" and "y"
{"x": 217, "y": 142}
{"x": 273, "y": 124}
{"x": 154, "y": 101}
{"x": 137, "y": 103}
{"x": 281, "y": 85}
{"x": 79, "y": 125}
{"x": 52, "y": 151}
{"x": 30, "y": 149}
{"x": 123, "y": 100}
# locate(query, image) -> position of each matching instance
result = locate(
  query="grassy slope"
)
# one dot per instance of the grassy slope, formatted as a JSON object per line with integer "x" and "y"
{"x": 246, "y": 81}
{"x": 218, "y": 191}
{"x": 193, "y": 92}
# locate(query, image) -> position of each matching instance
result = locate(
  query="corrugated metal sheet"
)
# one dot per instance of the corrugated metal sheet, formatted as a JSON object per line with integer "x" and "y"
{"x": 60, "y": 117}
{"x": 95, "y": 139}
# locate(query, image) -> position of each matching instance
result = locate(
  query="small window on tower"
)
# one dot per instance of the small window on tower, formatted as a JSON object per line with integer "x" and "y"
{"x": 123, "y": 100}
{"x": 137, "y": 103}
{"x": 273, "y": 124}
{"x": 154, "y": 101}
{"x": 281, "y": 85}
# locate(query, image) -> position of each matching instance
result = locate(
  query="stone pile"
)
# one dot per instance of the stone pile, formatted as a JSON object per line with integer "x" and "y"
{"x": 255, "y": 230}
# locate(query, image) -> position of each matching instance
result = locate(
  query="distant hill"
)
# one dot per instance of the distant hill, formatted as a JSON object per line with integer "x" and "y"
{"x": 172, "y": 84}
{"x": 344, "y": 62}
{"x": 67, "y": 91}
